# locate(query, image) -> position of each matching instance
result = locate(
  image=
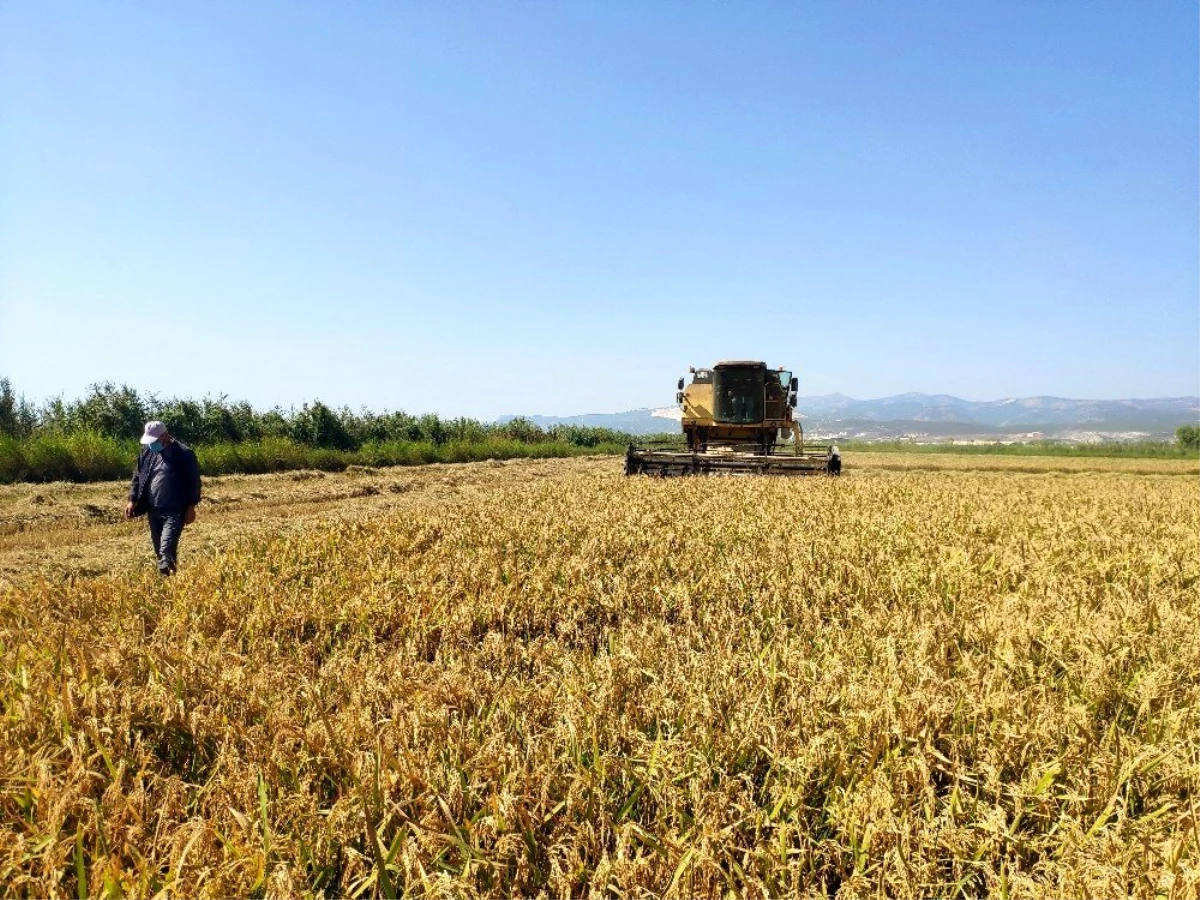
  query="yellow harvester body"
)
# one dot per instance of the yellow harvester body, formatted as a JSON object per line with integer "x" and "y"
{"x": 733, "y": 414}
{"x": 738, "y": 403}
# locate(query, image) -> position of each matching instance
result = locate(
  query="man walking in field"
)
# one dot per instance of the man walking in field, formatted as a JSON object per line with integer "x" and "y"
{"x": 833, "y": 464}
{"x": 166, "y": 488}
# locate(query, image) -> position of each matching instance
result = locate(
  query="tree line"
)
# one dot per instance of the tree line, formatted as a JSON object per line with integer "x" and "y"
{"x": 120, "y": 412}
{"x": 96, "y": 437}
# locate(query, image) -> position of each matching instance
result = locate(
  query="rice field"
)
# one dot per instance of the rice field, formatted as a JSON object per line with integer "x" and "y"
{"x": 938, "y": 675}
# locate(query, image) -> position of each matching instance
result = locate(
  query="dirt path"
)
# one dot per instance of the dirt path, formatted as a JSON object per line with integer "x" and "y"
{"x": 63, "y": 530}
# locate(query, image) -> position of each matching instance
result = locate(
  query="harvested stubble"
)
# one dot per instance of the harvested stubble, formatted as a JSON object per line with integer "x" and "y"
{"x": 897, "y": 683}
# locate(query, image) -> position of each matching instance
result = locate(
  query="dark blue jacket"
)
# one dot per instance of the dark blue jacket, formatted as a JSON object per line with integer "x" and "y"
{"x": 184, "y": 469}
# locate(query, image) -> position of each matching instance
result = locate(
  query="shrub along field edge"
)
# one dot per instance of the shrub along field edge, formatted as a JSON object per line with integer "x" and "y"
{"x": 89, "y": 456}
{"x": 86, "y": 456}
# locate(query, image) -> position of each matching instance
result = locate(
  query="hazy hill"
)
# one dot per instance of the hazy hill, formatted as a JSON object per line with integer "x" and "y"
{"x": 941, "y": 416}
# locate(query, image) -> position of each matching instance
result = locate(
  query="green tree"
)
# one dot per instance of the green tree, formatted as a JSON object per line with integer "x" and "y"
{"x": 433, "y": 429}
{"x": 320, "y": 426}
{"x": 112, "y": 410}
{"x": 184, "y": 418}
{"x": 18, "y": 418}
{"x": 1188, "y": 436}
{"x": 522, "y": 429}
{"x": 8, "y": 408}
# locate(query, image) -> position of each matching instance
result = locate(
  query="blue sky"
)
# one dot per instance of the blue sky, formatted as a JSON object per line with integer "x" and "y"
{"x": 486, "y": 208}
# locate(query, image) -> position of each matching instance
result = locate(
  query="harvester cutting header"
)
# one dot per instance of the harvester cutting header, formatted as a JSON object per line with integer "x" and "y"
{"x": 734, "y": 414}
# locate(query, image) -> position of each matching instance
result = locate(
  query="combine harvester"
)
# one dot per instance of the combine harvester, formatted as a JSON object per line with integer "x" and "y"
{"x": 733, "y": 415}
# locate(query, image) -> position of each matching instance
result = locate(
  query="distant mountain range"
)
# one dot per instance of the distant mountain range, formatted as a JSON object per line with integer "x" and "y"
{"x": 942, "y": 417}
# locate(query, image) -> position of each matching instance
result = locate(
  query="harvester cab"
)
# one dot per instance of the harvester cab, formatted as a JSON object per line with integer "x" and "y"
{"x": 733, "y": 416}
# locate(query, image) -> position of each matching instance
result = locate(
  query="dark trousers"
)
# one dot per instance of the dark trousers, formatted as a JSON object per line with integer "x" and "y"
{"x": 165, "y": 528}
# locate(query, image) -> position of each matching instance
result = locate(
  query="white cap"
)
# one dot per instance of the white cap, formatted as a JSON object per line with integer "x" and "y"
{"x": 834, "y": 450}
{"x": 154, "y": 430}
